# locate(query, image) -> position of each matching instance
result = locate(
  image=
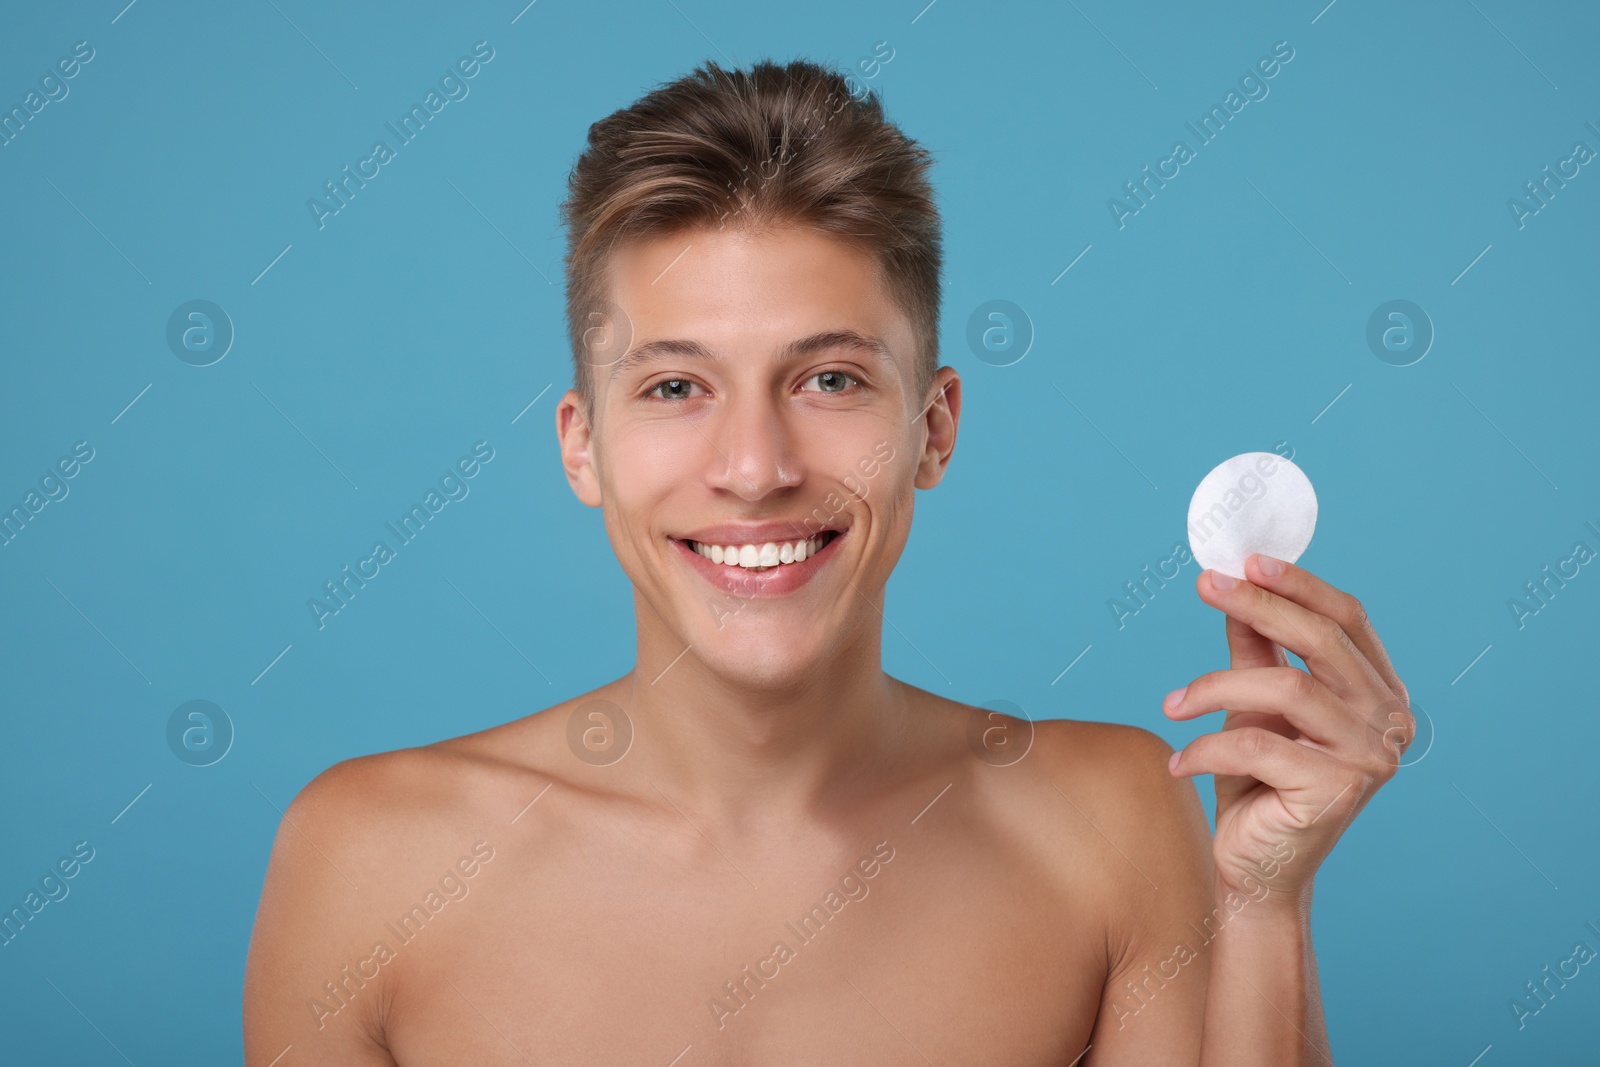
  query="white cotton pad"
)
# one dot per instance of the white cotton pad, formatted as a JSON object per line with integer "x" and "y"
{"x": 1255, "y": 502}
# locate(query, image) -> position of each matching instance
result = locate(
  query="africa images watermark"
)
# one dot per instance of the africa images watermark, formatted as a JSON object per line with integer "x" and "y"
{"x": 1539, "y": 996}
{"x": 1540, "y": 192}
{"x": 869, "y": 466}
{"x": 53, "y": 89}
{"x": 739, "y": 992}
{"x": 53, "y": 485}
{"x": 340, "y": 990}
{"x": 1141, "y": 994}
{"x": 1141, "y": 591}
{"x": 53, "y": 888}
{"x": 452, "y": 485}
{"x": 1123, "y": 610}
{"x": 1253, "y": 84}
{"x": 1539, "y": 592}
{"x": 1250, "y": 487}
{"x": 453, "y": 87}
{"x": 856, "y": 90}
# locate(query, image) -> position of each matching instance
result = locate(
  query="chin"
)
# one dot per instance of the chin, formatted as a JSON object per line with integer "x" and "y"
{"x": 761, "y": 662}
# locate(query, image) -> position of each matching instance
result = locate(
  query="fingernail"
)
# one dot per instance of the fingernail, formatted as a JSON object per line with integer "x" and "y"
{"x": 1174, "y": 698}
{"x": 1223, "y": 582}
{"x": 1269, "y": 566}
{"x": 1172, "y": 763}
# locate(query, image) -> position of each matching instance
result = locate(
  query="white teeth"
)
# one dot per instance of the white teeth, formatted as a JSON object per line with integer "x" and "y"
{"x": 771, "y": 554}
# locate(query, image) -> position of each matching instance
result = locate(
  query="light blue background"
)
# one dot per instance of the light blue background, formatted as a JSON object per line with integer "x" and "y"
{"x": 1222, "y": 318}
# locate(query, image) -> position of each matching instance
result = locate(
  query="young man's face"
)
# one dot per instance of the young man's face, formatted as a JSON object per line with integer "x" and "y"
{"x": 766, "y": 398}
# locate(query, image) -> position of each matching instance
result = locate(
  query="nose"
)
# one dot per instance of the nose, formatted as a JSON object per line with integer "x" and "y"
{"x": 754, "y": 451}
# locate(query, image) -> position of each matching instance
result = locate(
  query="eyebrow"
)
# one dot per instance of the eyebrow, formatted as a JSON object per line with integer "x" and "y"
{"x": 667, "y": 348}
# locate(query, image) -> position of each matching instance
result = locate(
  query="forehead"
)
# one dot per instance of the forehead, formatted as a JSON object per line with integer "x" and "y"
{"x": 741, "y": 294}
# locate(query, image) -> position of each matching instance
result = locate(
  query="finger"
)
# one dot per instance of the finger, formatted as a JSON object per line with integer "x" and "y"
{"x": 1328, "y": 651}
{"x": 1246, "y": 648}
{"x": 1311, "y": 707}
{"x": 1308, "y": 781}
{"x": 1306, "y": 589}
{"x": 1266, "y": 720}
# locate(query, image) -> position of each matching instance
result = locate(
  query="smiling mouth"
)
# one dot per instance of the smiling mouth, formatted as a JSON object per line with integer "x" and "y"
{"x": 764, "y": 557}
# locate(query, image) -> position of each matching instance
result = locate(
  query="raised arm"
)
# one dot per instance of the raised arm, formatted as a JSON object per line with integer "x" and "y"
{"x": 1299, "y": 755}
{"x": 1204, "y": 971}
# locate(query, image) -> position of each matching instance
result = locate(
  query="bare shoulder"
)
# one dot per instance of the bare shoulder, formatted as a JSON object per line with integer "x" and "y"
{"x": 367, "y": 839}
{"x": 1116, "y": 776}
{"x": 1128, "y": 762}
{"x": 367, "y": 791}
{"x": 1067, "y": 739}
{"x": 450, "y": 785}
{"x": 1102, "y": 812}
{"x": 1111, "y": 778}
{"x": 1145, "y": 838}
{"x": 1115, "y": 766}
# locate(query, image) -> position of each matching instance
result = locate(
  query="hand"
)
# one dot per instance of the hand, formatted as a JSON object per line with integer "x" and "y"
{"x": 1299, "y": 754}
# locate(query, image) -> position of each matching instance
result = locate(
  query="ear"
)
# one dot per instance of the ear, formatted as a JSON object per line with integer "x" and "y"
{"x": 577, "y": 448}
{"x": 942, "y": 418}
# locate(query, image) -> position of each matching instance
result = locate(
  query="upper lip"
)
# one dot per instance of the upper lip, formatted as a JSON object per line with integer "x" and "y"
{"x": 757, "y": 533}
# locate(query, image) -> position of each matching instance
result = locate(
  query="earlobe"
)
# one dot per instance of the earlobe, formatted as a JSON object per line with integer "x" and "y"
{"x": 940, "y": 422}
{"x": 574, "y": 432}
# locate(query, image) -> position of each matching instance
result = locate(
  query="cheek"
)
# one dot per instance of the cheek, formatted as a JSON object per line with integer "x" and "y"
{"x": 652, "y": 473}
{"x": 648, "y": 462}
{"x": 834, "y": 458}
{"x": 889, "y": 504}
{"x": 896, "y": 499}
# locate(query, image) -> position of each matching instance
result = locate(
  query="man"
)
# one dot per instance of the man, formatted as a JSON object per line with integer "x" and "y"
{"x": 756, "y": 847}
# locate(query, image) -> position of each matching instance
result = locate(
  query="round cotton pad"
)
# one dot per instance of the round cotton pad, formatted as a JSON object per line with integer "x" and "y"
{"x": 1255, "y": 502}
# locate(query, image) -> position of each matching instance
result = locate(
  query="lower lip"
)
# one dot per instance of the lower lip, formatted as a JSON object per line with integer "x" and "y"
{"x": 774, "y": 581}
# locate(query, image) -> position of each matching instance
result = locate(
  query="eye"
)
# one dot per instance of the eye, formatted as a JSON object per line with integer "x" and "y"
{"x": 672, "y": 389}
{"x": 833, "y": 381}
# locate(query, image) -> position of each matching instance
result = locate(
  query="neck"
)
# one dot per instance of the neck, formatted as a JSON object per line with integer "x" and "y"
{"x": 773, "y": 755}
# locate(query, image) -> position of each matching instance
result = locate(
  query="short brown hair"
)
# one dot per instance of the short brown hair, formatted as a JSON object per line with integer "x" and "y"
{"x": 775, "y": 144}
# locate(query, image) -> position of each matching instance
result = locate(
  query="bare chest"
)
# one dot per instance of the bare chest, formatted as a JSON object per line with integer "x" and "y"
{"x": 898, "y": 952}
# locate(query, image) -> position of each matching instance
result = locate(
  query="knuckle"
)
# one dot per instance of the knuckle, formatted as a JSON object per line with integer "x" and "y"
{"x": 1331, "y": 632}
{"x": 1353, "y": 786}
{"x": 1300, "y": 685}
{"x": 1253, "y": 741}
{"x": 1400, "y": 733}
{"x": 1383, "y": 755}
{"x": 1355, "y": 616}
{"x": 1392, "y": 730}
{"x": 1407, "y": 730}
